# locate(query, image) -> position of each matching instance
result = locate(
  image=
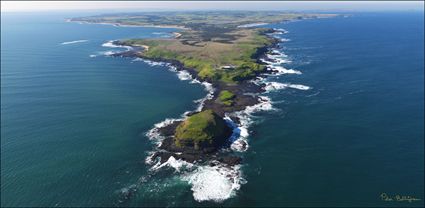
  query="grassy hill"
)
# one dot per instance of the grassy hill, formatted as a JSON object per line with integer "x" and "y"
{"x": 204, "y": 129}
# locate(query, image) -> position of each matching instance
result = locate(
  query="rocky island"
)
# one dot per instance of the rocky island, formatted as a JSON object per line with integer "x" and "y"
{"x": 226, "y": 50}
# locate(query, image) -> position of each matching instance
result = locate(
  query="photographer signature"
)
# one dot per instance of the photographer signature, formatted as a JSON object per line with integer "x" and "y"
{"x": 398, "y": 198}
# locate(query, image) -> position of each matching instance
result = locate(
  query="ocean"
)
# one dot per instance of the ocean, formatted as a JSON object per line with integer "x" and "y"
{"x": 345, "y": 124}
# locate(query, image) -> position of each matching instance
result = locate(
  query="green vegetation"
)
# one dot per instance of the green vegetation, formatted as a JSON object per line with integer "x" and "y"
{"x": 200, "y": 130}
{"x": 210, "y": 59}
{"x": 226, "y": 97}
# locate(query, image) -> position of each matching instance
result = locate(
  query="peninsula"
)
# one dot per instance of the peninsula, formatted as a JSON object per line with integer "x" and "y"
{"x": 221, "y": 48}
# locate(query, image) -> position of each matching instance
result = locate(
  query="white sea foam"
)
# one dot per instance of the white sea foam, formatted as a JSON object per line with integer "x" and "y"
{"x": 271, "y": 86}
{"x": 245, "y": 120}
{"x": 153, "y": 63}
{"x": 282, "y": 70}
{"x": 276, "y": 58}
{"x": 110, "y": 44}
{"x": 110, "y": 53}
{"x": 149, "y": 159}
{"x": 216, "y": 183}
{"x": 209, "y": 183}
{"x": 275, "y": 61}
{"x": 195, "y": 81}
{"x": 209, "y": 88}
{"x": 258, "y": 80}
{"x": 281, "y": 30}
{"x": 178, "y": 165}
{"x": 73, "y": 42}
{"x": 184, "y": 75}
{"x": 138, "y": 59}
{"x": 276, "y": 54}
{"x": 265, "y": 104}
{"x": 266, "y": 61}
{"x": 240, "y": 144}
{"x": 154, "y": 134}
{"x": 238, "y": 137}
{"x": 92, "y": 56}
{"x": 240, "y": 132}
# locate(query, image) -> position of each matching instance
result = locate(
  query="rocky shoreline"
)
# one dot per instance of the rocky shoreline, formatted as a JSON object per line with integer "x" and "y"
{"x": 246, "y": 94}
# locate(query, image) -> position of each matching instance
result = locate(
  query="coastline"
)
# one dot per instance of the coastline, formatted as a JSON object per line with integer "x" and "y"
{"x": 238, "y": 117}
{"x": 247, "y": 90}
{"x": 126, "y": 25}
{"x": 196, "y": 167}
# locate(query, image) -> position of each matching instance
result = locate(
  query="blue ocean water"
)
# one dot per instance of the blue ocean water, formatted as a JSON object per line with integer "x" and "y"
{"x": 72, "y": 126}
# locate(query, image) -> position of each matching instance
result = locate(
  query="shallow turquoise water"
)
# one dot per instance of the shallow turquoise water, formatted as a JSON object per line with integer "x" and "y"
{"x": 72, "y": 126}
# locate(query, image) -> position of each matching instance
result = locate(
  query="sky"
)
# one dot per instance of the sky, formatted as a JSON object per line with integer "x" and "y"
{"x": 122, "y": 6}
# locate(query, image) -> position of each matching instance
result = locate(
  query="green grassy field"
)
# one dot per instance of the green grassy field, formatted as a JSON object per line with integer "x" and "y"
{"x": 214, "y": 61}
{"x": 226, "y": 97}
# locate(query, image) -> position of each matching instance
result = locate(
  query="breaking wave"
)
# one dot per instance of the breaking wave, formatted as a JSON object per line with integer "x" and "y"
{"x": 279, "y": 70}
{"x": 208, "y": 183}
{"x": 110, "y": 44}
{"x": 154, "y": 135}
{"x": 178, "y": 165}
{"x": 216, "y": 183}
{"x": 73, "y": 42}
{"x": 238, "y": 139}
{"x": 271, "y": 86}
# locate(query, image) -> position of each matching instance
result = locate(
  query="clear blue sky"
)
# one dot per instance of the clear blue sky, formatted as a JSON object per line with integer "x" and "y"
{"x": 120, "y": 6}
